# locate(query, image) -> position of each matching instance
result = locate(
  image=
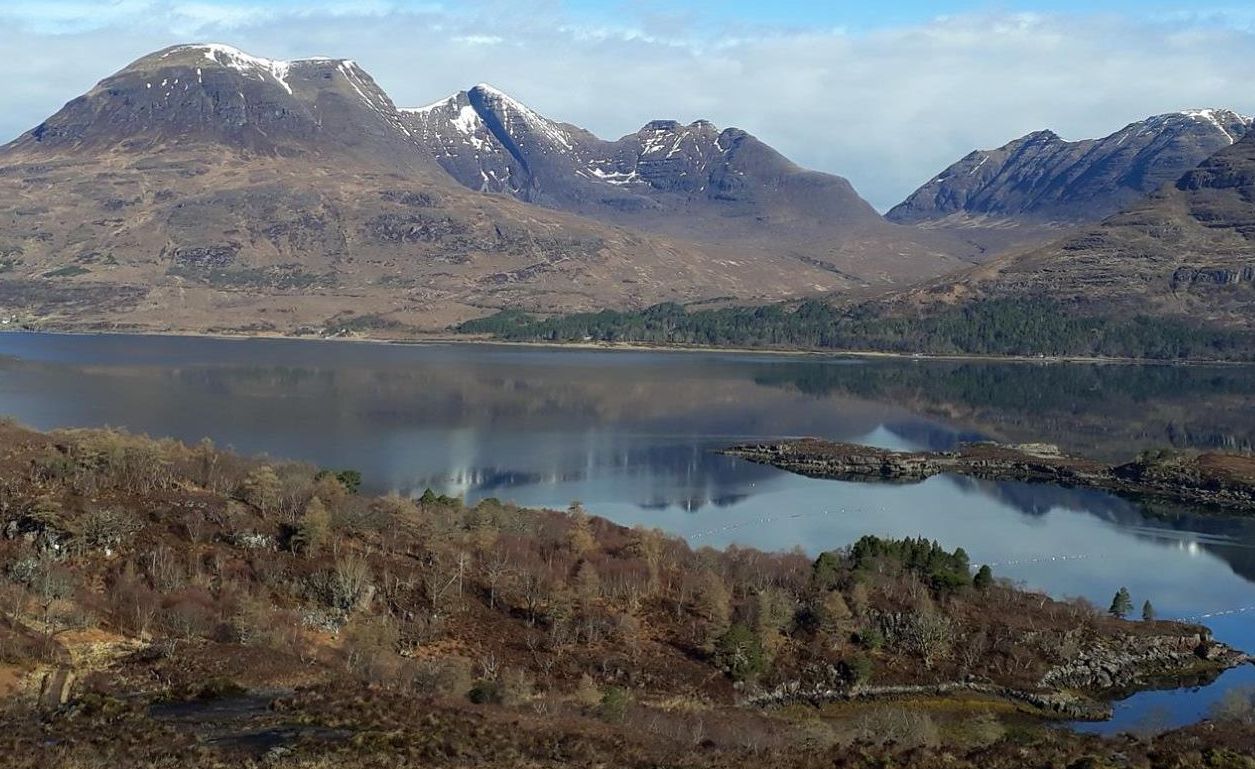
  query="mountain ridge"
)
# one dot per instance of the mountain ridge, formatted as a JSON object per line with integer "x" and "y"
{"x": 1042, "y": 178}
{"x": 722, "y": 186}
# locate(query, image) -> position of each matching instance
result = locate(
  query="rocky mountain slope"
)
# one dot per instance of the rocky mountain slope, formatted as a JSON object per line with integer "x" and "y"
{"x": 1186, "y": 251}
{"x": 202, "y": 188}
{"x": 697, "y": 181}
{"x": 1041, "y": 178}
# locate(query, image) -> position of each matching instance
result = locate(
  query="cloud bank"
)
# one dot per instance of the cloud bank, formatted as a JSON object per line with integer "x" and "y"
{"x": 886, "y": 107}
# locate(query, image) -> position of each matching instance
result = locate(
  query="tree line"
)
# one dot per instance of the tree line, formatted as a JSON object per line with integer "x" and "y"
{"x": 1028, "y": 327}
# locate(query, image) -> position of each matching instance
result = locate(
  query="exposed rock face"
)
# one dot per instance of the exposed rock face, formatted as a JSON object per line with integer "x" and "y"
{"x": 697, "y": 181}
{"x": 1041, "y": 177}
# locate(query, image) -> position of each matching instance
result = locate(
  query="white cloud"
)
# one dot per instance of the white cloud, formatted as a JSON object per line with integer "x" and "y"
{"x": 887, "y": 108}
{"x": 479, "y": 39}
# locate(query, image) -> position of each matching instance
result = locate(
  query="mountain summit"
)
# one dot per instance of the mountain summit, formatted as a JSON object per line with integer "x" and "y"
{"x": 216, "y": 93}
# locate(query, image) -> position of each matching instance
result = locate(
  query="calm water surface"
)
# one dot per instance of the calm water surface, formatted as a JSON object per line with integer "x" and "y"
{"x": 632, "y": 434}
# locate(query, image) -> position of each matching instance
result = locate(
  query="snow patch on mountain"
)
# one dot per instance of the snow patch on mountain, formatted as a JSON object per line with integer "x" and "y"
{"x": 467, "y": 121}
{"x": 430, "y": 107}
{"x": 244, "y": 63}
{"x": 1219, "y": 118}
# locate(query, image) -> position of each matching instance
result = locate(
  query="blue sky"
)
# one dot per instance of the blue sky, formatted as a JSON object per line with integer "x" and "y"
{"x": 870, "y": 15}
{"x": 884, "y": 93}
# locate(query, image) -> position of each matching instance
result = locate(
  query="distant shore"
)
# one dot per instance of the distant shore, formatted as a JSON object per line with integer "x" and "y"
{"x": 437, "y": 337}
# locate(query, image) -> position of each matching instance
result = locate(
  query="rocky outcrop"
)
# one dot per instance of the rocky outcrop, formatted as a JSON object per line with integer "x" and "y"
{"x": 1224, "y": 481}
{"x": 56, "y": 688}
{"x": 1132, "y": 662}
{"x": 1185, "y": 277}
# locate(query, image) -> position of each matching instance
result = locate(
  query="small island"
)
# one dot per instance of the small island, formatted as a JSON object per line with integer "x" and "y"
{"x": 1218, "y": 481}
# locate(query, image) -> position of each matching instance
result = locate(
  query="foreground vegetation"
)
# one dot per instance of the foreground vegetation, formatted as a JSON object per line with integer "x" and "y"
{"x": 1023, "y": 327}
{"x": 166, "y": 604}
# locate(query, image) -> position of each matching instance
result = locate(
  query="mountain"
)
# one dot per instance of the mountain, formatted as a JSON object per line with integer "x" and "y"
{"x": 696, "y": 181}
{"x": 1187, "y": 251}
{"x": 1040, "y": 178}
{"x": 202, "y": 188}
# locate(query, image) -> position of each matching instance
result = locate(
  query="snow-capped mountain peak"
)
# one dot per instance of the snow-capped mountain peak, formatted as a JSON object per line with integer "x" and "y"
{"x": 516, "y": 117}
{"x": 217, "y": 92}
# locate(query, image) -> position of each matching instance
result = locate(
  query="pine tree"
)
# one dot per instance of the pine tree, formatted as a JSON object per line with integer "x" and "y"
{"x": 984, "y": 578}
{"x": 1122, "y": 604}
{"x": 1148, "y": 612}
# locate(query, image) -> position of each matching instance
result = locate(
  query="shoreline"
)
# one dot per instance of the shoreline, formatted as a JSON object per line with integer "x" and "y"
{"x": 460, "y": 339}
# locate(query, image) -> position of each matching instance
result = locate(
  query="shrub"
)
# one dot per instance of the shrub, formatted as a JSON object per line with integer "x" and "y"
{"x": 1237, "y": 705}
{"x": 833, "y": 612}
{"x": 871, "y": 639}
{"x": 218, "y": 688}
{"x": 615, "y": 702}
{"x": 517, "y": 687}
{"x": 926, "y": 634}
{"x": 485, "y": 692}
{"x": 349, "y": 584}
{"x": 857, "y": 669}
{"x": 445, "y": 677}
{"x": 586, "y": 692}
{"x": 107, "y": 528}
